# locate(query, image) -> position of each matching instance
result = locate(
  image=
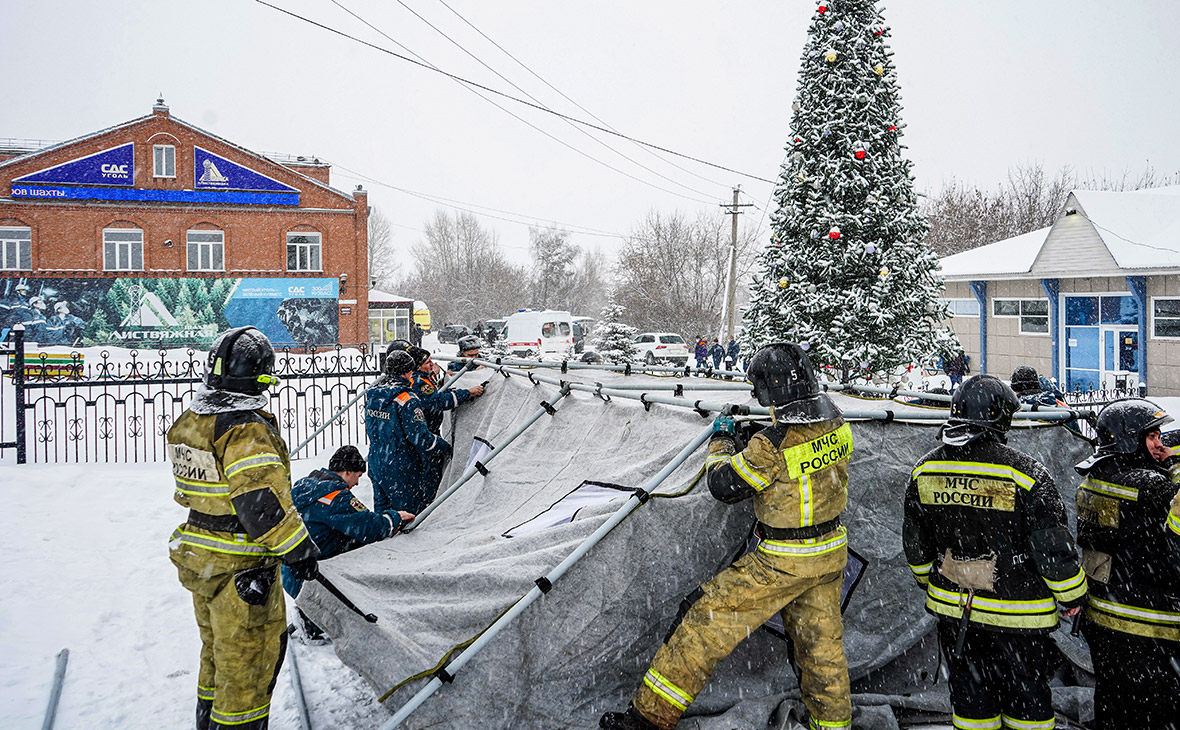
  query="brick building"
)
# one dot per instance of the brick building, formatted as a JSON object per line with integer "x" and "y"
{"x": 156, "y": 233}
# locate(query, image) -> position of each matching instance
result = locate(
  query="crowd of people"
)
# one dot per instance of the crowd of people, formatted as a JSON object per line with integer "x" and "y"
{"x": 984, "y": 532}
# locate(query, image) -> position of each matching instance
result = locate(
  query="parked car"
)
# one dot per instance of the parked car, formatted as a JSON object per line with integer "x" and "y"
{"x": 657, "y": 347}
{"x": 497, "y": 325}
{"x": 452, "y": 332}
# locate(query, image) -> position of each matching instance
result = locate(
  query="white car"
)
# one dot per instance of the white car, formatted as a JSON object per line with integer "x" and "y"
{"x": 655, "y": 347}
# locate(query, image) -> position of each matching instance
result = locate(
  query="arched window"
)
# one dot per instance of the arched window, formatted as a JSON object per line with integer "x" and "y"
{"x": 16, "y": 248}
{"x": 304, "y": 250}
{"x": 206, "y": 249}
{"x": 122, "y": 249}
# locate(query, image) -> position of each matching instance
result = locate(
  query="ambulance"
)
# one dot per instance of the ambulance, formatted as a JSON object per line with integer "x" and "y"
{"x": 547, "y": 334}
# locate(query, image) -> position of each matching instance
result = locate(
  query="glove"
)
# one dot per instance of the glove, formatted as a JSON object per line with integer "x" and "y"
{"x": 723, "y": 425}
{"x": 305, "y": 569}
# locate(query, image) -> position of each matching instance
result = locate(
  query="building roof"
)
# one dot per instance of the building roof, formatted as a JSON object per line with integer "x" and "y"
{"x": 1011, "y": 256}
{"x": 376, "y": 295}
{"x": 1140, "y": 230}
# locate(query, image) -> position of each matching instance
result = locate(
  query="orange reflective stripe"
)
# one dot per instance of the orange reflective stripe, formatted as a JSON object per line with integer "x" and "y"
{"x": 327, "y": 498}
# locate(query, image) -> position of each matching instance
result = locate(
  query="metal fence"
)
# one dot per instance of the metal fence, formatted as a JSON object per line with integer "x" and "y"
{"x": 118, "y": 408}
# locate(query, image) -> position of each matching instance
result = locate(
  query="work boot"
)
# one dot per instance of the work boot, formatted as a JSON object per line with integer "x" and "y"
{"x": 632, "y": 719}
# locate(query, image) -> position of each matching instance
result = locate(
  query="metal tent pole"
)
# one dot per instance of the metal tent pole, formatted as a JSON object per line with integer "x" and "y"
{"x": 59, "y": 678}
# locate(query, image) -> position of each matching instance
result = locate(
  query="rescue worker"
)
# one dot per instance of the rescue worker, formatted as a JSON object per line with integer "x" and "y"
{"x": 335, "y": 518}
{"x": 733, "y": 354}
{"x": 1133, "y": 615}
{"x": 232, "y": 472}
{"x": 985, "y": 534}
{"x": 468, "y": 347}
{"x": 401, "y": 445}
{"x": 797, "y": 568}
{"x": 1027, "y": 386}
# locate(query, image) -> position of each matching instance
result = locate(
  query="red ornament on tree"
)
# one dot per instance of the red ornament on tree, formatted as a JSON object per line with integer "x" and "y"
{"x": 834, "y": 234}
{"x": 822, "y": 9}
{"x": 891, "y": 128}
{"x": 859, "y": 154}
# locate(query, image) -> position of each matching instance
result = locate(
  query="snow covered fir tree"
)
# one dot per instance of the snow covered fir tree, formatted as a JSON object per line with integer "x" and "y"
{"x": 613, "y": 340}
{"x": 846, "y": 272}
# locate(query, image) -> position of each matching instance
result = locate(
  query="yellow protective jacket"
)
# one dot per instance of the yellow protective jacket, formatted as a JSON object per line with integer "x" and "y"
{"x": 232, "y": 470}
{"x": 797, "y": 474}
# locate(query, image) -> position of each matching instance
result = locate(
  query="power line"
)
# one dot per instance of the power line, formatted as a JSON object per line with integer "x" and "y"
{"x": 508, "y": 96}
{"x": 567, "y": 98}
{"x": 535, "y": 99}
{"x": 517, "y": 116}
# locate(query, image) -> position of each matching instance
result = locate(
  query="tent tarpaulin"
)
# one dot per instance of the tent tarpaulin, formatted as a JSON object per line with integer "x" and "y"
{"x": 581, "y": 649}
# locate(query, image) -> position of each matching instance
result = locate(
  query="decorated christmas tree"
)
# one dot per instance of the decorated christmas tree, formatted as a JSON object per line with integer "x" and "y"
{"x": 846, "y": 273}
{"x": 613, "y": 340}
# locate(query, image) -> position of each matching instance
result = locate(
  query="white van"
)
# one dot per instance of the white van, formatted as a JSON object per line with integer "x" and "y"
{"x": 547, "y": 334}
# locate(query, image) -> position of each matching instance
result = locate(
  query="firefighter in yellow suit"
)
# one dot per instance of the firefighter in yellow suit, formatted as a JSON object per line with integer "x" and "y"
{"x": 797, "y": 473}
{"x": 232, "y": 471}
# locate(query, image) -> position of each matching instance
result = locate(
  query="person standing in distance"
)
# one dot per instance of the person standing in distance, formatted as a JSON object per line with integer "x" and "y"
{"x": 1133, "y": 616}
{"x": 232, "y": 472}
{"x": 985, "y": 534}
{"x": 797, "y": 569}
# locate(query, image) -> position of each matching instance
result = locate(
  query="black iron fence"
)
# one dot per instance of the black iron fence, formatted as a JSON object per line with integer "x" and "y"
{"x": 99, "y": 406}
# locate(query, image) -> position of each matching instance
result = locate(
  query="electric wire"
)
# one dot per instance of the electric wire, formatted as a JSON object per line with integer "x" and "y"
{"x": 490, "y": 90}
{"x": 592, "y": 115}
{"x": 511, "y": 83}
{"x": 514, "y": 115}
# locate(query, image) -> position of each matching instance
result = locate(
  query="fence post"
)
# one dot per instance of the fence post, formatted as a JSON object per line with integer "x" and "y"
{"x": 18, "y": 388}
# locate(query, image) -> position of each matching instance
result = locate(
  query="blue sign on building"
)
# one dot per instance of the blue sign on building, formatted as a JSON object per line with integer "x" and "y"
{"x": 214, "y": 172}
{"x": 115, "y": 166}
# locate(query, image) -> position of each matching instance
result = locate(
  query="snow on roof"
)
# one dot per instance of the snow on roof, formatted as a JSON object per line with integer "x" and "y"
{"x": 1011, "y": 256}
{"x": 1141, "y": 229}
{"x": 376, "y": 295}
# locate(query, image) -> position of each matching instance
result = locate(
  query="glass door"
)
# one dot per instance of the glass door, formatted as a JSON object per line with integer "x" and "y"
{"x": 1120, "y": 357}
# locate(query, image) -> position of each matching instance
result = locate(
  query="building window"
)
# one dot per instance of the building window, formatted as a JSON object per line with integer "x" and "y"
{"x": 303, "y": 252}
{"x": 1033, "y": 313}
{"x": 961, "y": 307}
{"x": 122, "y": 249}
{"x": 1165, "y": 318}
{"x": 206, "y": 250}
{"x": 16, "y": 248}
{"x": 164, "y": 160}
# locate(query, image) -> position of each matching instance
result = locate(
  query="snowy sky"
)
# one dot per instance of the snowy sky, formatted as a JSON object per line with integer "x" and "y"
{"x": 985, "y": 87}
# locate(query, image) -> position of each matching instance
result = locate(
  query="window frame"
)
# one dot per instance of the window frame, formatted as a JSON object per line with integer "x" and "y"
{"x": 1022, "y": 315}
{"x": 156, "y": 149}
{"x": 213, "y": 246}
{"x": 950, "y": 301}
{"x": 22, "y": 245}
{"x": 317, "y": 247}
{"x": 131, "y": 246}
{"x": 1152, "y": 332}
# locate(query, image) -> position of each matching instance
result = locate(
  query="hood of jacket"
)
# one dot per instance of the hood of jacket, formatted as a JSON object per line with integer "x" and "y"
{"x": 315, "y": 485}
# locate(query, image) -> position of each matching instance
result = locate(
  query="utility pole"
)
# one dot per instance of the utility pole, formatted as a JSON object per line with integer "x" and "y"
{"x": 727, "y": 316}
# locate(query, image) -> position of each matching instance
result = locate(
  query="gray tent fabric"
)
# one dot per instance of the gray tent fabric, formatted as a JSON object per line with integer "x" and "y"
{"x": 581, "y": 649}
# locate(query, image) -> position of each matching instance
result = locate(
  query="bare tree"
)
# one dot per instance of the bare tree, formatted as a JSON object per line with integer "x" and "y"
{"x": 461, "y": 273}
{"x": 384, "y": 267}
{"x": 671, "y": 272}
{"x": 962, "y": 216}
{"x": 588, "y": 293}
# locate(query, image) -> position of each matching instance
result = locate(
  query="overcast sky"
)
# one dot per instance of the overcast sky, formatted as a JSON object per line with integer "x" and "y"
{"x": 1093, "y": 84}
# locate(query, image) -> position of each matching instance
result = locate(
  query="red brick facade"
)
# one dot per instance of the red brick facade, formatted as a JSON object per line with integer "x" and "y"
{"x": 67, "y": 235}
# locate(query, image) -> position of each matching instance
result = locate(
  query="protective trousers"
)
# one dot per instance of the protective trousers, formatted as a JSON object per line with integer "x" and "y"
{"x": 737, "y": 601}
{"x": 1137, "y": 680}
{"x": 1000, "y": 680}
{"x": 242, "y": 649}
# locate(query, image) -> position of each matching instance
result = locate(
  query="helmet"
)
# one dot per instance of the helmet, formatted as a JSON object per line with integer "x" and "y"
{"x": 62, "y": 306}
{"x": 347, "y": 458}
{"x": 398, "y": 362}
{"x": 403, "y": 345}
{"x": 469, "y": 342}
{"x": 982, "y": 401}
{"x": 21, "y": 287}
{"x": 1122, "y": 427}
{"x": 781, "y": 372}
{"x": 241, "y": 360}
{"x": 420, "y": 355}
{"x": 1024, "y": 380}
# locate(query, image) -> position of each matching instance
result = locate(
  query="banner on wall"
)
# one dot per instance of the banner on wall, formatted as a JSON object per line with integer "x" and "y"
{"x": 157, "y": 312}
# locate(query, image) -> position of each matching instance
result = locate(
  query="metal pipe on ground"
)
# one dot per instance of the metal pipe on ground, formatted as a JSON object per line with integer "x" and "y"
{"x": 59, "y": 678}
{"x": 474, "y": 469}
{"x": 547, "y": 581}
{"x": 297, "y": 681}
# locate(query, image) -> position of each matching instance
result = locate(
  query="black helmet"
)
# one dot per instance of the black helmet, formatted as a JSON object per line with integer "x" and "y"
{"x": 1123, "y": 427}
{"x": 347, "y": 458}
{"x": 398, "y": 362}
{"x": 469, "y": 342}
{"x": 241, "y": 360}
{"x": 1024, "y": 380}
{"x": 981, "y": 404}
{"x": 420, "y": 355}
{"x": 781, "y": 372}
{"x": 403, "y": 345}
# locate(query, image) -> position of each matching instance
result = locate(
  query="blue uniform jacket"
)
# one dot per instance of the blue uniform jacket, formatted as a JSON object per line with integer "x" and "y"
{"x": 733, "y": 351}
{"x": 434, "y": 401}
{"x": 701, "y": 352}
{"x": 335, "y": 519}
{"x": 401, "y": 446}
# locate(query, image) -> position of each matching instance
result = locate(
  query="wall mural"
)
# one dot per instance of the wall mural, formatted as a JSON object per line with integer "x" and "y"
{"x": 174, "y": 312}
